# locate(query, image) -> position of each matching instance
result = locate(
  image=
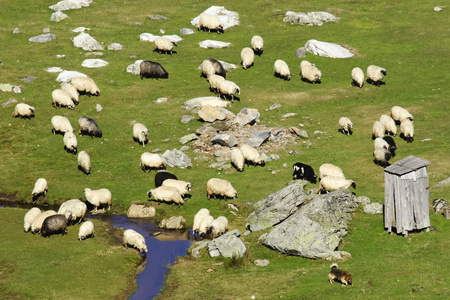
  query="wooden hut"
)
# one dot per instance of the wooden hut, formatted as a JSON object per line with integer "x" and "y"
{"x": 406, "y": 198}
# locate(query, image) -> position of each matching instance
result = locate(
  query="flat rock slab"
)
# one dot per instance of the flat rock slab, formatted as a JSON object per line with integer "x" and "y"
{"x": 315, "y": 18}
{"x": 373, "y": 208}
{"x": 210, "y": 113}
{"x": 225, "y": 140}
{"x": 140, "y": 211}
{"x": 228, "y": 18}
{"x": 262, "y": 262}
{"x": 115, "y": 46}
{"x": 227, "y": 245}
{"x": 188, "y": 138}
{"x": 43, "y": 38}
{"x": 214, "y": 44}
{"x": 186, "y": 31}
{"x": 157, "y": 17}
{"x": 151, "y": 38}
{"x": 173, "y": 223}
{"x": 198, "y": 102}
{"x": 177, "y": 159}
{"x": 70, "y": 4}
{"x": 327, "y": 49}
{"x": 94, "y": 63}
{"x": 66, "y": 76}
{"x": 257, "y": 139}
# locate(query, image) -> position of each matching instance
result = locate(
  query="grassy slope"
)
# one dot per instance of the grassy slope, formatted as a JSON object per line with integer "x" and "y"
{"x": 381, "y": 33}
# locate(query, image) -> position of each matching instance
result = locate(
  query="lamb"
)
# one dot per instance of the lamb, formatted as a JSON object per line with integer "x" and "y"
{"x": 151, "y": 161}
{"x": 382, "y": 155}
{"x": 89, "y": 126}
{"x": 310, "y": 73}
{"x": 399, "y": 114}
{"x": 29, "y": 218}
{"x": 257, "y": 44}
{"x": 54, "y": 224}
{"x": 198, "y": 218}
{"x": 392, "y": 145}
{"x": 40, "y": 188}
{"x": 248, "y": 57}
{"x": 389, "y": 125}
{"x": 37, "y": 223}
{"x": 166, "y": 194}
{"x": 220, "y": 187}
{"x": 209, "y": 22}
{"x": 357, "y": 77}
{"x": 218, "y": 67}
{"x": 98, "y": 197}
{"x": 237, "y": 159}
{"x": 62, "y": 99}
{"x": 228, "y": 89}
{"x": 407, "y": 129}
{"x": 161, "y": 176}
{"x": 207, "y": 68}
{"x": 85, "y": 86}
{"x": 345, "y": 126}
{"x": 219, "y": 226}
{"x": 329, "y": 183}
{"x": 303, "y": 171}
{"x": 183, "y": 186}
{"x": 164, "y": 45}
{"x": 205, "y": 226}
{"x": 61, "y": 124}
{"x": 330, "y": 170}
{"x": 375, "y": 74}
{"x": 140, "y": 133}
{"x": 86, "y": 230}
{"x": 150, "y": 69}
{"x": 72, "y": 91}
{"x": 23, "y": 110}
{"x": 70, "y": 142}
{"x": 214, "y": 81}
{"x": 84, "y": 162}
{"x": 251, "y": 155}
{"x": 377, "y": 130}
{"x": 135, "y": 240}
{"x": 281, "y": 70}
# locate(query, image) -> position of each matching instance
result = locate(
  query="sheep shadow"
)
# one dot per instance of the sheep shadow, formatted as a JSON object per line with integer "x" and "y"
{"x": 375, "y": 83}
{"x": 278, "y": 75}
{"x": 384, "y": 165}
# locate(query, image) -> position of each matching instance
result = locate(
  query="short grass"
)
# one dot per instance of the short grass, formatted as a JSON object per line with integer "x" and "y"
{"x": 408, "y": 38}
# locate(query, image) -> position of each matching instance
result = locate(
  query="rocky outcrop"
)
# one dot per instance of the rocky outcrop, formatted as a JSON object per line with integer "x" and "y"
{"x": 227, "y": 245}
{"x": 327, "y": 49}
{"x": 177, "y": 159}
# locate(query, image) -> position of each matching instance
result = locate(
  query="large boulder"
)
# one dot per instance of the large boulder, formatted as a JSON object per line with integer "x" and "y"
{"x": 140, "y": 211}
{"x": 173, "y": 223}
{"x": 225, "y": 140}
{"x": 227, "y": 245}
{"x": 210, "y": 113}
{"x": 177, "y": 159}
{"x": 327, "y": 49}
{"x": 315, "y": 18}
{"x": 228, "y": 18}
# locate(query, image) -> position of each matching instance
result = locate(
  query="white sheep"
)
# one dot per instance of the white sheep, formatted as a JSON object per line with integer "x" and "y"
{"x": 216, "y": 102}
{"x": 399, "y": 114}
{"x": 198, "y": 218}
{"x": 381, "y": 156}
{"x": 70, "y": 142}
{"x": 183, "y": 186}
{"x": 84, "y": 162}
{"x": 375, "y": 74}
{"x": 29, "y": 218}
{"x": 37, "y": 223}
{"x": 61, "y": 124}
{"x": 389, "y": 125}
{"x": 214, "y": 81}
{"x": 251, "y": 155}
{"x": 207, "y": 68}
{"x": 166, "y": 194}
{"x": 40, "y": 188}
{"x": 209, "y": 22}
{"x": 205, "y": 226}
{"x": 98, "y": 197}
{"x": 164, "y": 45}
{"x": 86, "y": 230}
{"x": 85, "y": 85}
{"x": 407, "y": 129}
{"x": 310, "y": 73}
{"x": 380, "y": 143}
{"x": 23, "y": 110}
{"x": 329, "y": 183}
{"x": 377, "y": 130}
{"x": 229, "y": 89}
{"x": 140, "y": 133}
{"x": 358, "y": 77}
{"x": 281, "y": 69}
{"x": 330, "y": 170}
{"x": 237, "y": 159}
{"x": 345, "y": 125}
{"x": 135, "y": 240}
{"x": 63, "y": 207}
{"x": 151, "y": 161}
{"x": 219, "y": 226}
{"x": 75, "y": 211}
{"x": 61, "y": 98}
{"x": 220, "y": 187}
{"x": 247, "y": 57}
{"x": 257, "y": 44}
{"x": 71, "y": 90}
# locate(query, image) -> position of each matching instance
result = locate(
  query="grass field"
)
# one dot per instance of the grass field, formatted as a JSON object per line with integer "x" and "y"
{"x": 408, "y": 38}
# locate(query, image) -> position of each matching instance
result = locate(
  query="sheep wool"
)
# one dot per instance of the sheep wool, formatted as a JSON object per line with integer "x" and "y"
{"x": 330, "y": 170}
{"x": 310, "y": 73}
{"x": 75, "y": 212}
{"x": 140, "y": 133}
{"x": 237, "y": 159}
{"x": 400, "y": 114}
{"x": 37, "y": 223}
{"x": 161, "y": 176}
{"x": 198, "y": 218}
{"x": 377, "y": 130}
{"x": 257, "y": 44}
{"x": 247, "y": 57}
{"x": 389, "y": 125}
{"x": 61, "y": 124}
{"x": 183, "y": 186}
{"x": 251, "y": 155}
{"x": 70, "y": 142}
{"x": 220, "y": 187}
{"x": 228, "y": 89}
{"x": 89, "y": 126}
{"x": 151, "y": 161}
{"x": 357, "y": 77}
{"x": 214, "y": 81}
{"x": 135, "y": 240}
{"x": 40, "y": 188}
{"x": 54, "y": 224}
{"x": 23, "y": 110}
{"x": 207, "y": 68}
{"x": 166, "y": 194}
{"x": 219, "y": 226}
{"x": 62, "y": 99}
{"x": 164, "y": 45}
{"x": 29, "y": 218}
{"x": 329, "y": 183}
{"x": 407, "y": 129}
{"x": 205, "y": 226}
{"x": 345, "y": 126}
{"x": 218, "y": 67}
{"x": 84, "y": 162}
{"x": 380, "y": 143}
{"x": 281, "y": 70}
{"x": 98, "y": 197}
{"x": 375, "y": 74}
{"x": 85, "y": 85}
{"x": 72, "y": 91}
{"x": 86, "y": 230}
{"x": 151, "y": 69}
{"x": 209, "y": 22}
{"x": 381, "y": 155}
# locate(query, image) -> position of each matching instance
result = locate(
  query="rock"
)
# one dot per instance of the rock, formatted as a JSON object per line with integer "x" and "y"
{"x": 253, "y": 113}
{"x": 261, "y": 262}
{"x": 275, "y": 208}
{"x": 443, "y": 182}
{"x": 196, "y": 251}
{"x": 16, "y": 30}
{"x": 16, "y": 89}
{"x": 151, "y": 38}
{"x": 228, "y": 66}
{"x": 373, "y": 208}
{"x": 299, "y": 132}
{"x": 6, "y": 87}
{"x": 46, "y": 30}
{"x": 232, "y": 206}
{"x": 316, "y": 18}
{"x": 89, "y": 54}
{"x": 80, "y": 29}
{"x": 157, "y": 17}
{"x": 188, "y": 138}
{"x": 140, "y": 211}
{"x": 327, "y": 49}
{"x": 10, "y": 101}
{"x": 29, "y": 78}
{"x": 196, "y": 102}
{"x": 94, "y": 63}
{"x": 270, "y": 157}
{"x": 225, "y": 140}
{"x": 70, "y": 4}
{"x": 206, "y": 130}
{"x": 363, "y": 200}
{"x": 300, "y": 52}
{"x": 210, "y": 113}
{"x": 186, "y": 119}
{"x": 437, "y": 8}
{"x": 115, "y": 46}
{"x": 98, "y": 108}
{"x": 242, "y": 120}
{"x": 316, "y": 229}
{"x": 228, "y": 245}
{"x": 438, "y": 204}
{"x": 86, "y": 42}
{"x": 214, "y": 44}
{"x": 60, "y": 56}
{"x": 257, "y": 139}
{"x": 43, "y": 38}
{"x": 135, "y": 68}
{"x": 58, "y": 16}
{"x": 228, "y": 18}
{"x": 288, "y": 115}
{"x": 173, "y": 223}
{"x": 66, "y": 76}
{"x": 161, "y": 100}
{"x": 54, "y": 70}
{"x": 177, "y": 159}
{"x": 274, "y": 106}
{"x": 186, "y": 31}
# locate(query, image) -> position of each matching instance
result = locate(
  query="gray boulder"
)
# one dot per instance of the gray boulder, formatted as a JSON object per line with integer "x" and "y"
{"x": 140, "y": 211}
{"x": 58, "y": 16}
{"x": 225, "y": 140}
{"x": 247, "y": 116}
{"x": 86, "y": 42}
{"x": 177, "y": 159}
{"x": 173, "y": 223}
{"x": 327, "y": 49}
{"x": 94, "y": 63}
{"x": 115, "y": 46}
{"x": 363, "y": 200}
{"x": 227, "y": 245}
{"x": 210, "y": 113}
{"x": 439, "y": 204}
{"x": 188, "y": 138}
{"x": 43, "y": 38}
{"x": 274, "y": 106}
{"x": 70, "y": 4}
{"x": 10, "y": 101}
{"x": 198, "y": 246}
{"x": 196, "y": 102}
{"x": 135, "y": 68}
{"x": 315, "y": 18}
{"x": 373, "y": 208}
{"x": 257, "y": 139}
{"x": 300, "y": 52}
{"x": 214, "y": 44}
{"x": 228, "y": 18}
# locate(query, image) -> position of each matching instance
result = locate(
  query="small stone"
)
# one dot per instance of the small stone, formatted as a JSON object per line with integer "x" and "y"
{"x": 17, "y": 90}
{"x": 299, "y": 132}
{"x": 300, "y": 52}
{"x": 439, "y": 204}
{"x": 58, "y": 16}
{"x": 16, "y": 30}
{"x": 9, "y": 102}
{"x": 186, "y": 31}
{"x": 6, "y": 87}
{"x": 161, "y": 100}
{"x": 363, "y": 200}
{"x": 98, "y": 107}
{"x": 29, "y": 79}
{"x": 214, "y": 44}
{"x": 188, "y": 138}
{"x": 54, "y": 70}
{"x": 94, "y": 63}
{"x": 225, "y": 140}
{"x": 186, "y": 119}
{"x": 115, "y": 46}
{"x": 46, "y": 30}
{"x": 373, "y": 208}
{"x": 288, "y": 115}
{"x": 274, "y": 106}
{"x": 157, "y": 17}
{"x": 43, "y": 38}
{"x": 261, "y": 262}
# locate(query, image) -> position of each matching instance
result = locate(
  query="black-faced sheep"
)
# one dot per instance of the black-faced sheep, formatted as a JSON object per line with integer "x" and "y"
{"x": 61, "y": 98}
{"x": 161, "y": 176}
{"x": 135, "y": 240}
{"x": 205, "y": 226}
{"x": 218, "y": 67}
{"x": 54, "y": 224}
{"x": 345, "y": 126}
{"x": 330, "y": 170}
{"x": 228, "y": 89}
{"x": 61, "y": 125}
{"x": 164, "y": 45}
{"x": 84, "y": 162}
{"x": 40, "y": 188}
{"x": 85, "y": 86}
{"x": 329, "y": 183}
{"x": 166, "y": 194}
{"x": 251, "y": 155}
{"x": 257, "y": 45}
{"x": 89, "y": 126}
{"x": 310, "y": 73}
{"x": 150, "y": 69}
{"x": 207, "y": 68}
{"x": 237, "y": 159}
{"x": 74, "y": 210}
{"x": 381, "y": 155}
{"x": 198, "y": 218}
{"x": 357, "y": 77}
{"x": 151, "y": 161}
{"x": 304, "y": 171}
{"x": 247, "y": 57}
{"x": 392, "y": 145}
{"x": 70, "y": 142}
{"x": 98, "y": 197}
{"x": 389, "y": 125}
{"x": 210, "y": 22}
{"x": 220, "y": 187}
{"x": 140, "y": 133}
{"x": 377, "y": 130}
{"x": 86, "y": 230}
{"x": 29, "y": 218}
{"x": 23, "y": 110}
{"x": 72, "y": 91}
{"x": 407, "y": 129}
{"x": 214, "y": 81}
{"x": 375, "y": 74}
{"x": 399, "y": 114}
{"x": 37, "y": 223}
{"x": 281, "y": 70}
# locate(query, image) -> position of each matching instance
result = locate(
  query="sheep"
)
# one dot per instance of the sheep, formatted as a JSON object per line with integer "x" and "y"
{"x": 220, "y": 187}
{"x": 357, "y": 77}
{"x": 330, "y": 170}
{"x": 135, "y": 240}
{"x": 399, "y": 114}
{"x": 198, "y": 218}
{"x": 228, "y": 89}
{"x": 209, "y": 22}
{"x": 257, "y": 44}
{"x": 72, "y": 91}
{"x": 37, "y": 223}
{"x": 381, "y": 155}
{"x": 84, "y": 162}
{"x": 86, "y": 230}
{"x": 219, "y": 226}
{"x": 61, "y": 98}
{"x": 303, "y": 171}
{"x": 151, "y": 161}
{"x": 281, "y": 70}
{"x": 140, "y": 133}
{"x": 29, "y": 218}
{"x": 380, "y": 143}
{"x": 40, "y": 188}
{"x": 389, "y": 125}
{"x": 150, "y": 69}
{"x": 70, "y": 142}
{"x": 214, "y": 81}
{"x": 248, "y": 57}
{"x": 166, "y": 194}
{"x": 329, "y": 183}
{"x": 63, "y": 207}
{"x": 207, "y": 68}
{"x": 237, "y": 159}
{"x": 54, "y": 224}
{"x": 218, "y": 67}
{"x": 23, "y": 110}
{"x": 205, "y": 226}
{"x": 164, "y": 45}
{"x": 392, "y": 145}
{"x": 375, "y": 74}
{"x": 345, "y": 126}
{"x": 74, "y": 212}
{"x": 98, "y": 197}
{"x": 407, "y": 129}
{"x": 85, "y": 86}
{"x": 161, "y": 176}
{"x": 183, "y": 186}
{"x": 61, "y": 124}
{"x": 310, "y": 73}
{"x": 89, "y": 126}
{"x": 377, "y": 130}
{"x": 251, "y": 155}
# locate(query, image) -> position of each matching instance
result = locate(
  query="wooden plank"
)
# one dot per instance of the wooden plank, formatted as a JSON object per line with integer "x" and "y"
{"x": 406, "y": 165}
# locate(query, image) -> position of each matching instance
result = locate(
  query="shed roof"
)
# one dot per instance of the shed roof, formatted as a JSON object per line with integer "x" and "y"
{"x": 407, "y": 165}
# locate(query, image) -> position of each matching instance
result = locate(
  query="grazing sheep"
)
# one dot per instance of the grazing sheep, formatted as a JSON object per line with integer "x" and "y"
{"x": 72, "y": 91}
{"x": 85, "y": 86}
{"x": 228, "y": 89}
{"x": 61, "y": 124}
{"x": 86, "y": 230}
{"x": 54, "y": 224}
{"x": 210, "y": 22}
{"x": 392, "y": 145}
{"x": 214, "y": 81}
{"x": 207, "y": 68}
{"x": 164, "y": 45}
{"x": 329, "y": 183}
{"x": 62, "y": 99}
{"x": 89, "y": 126}
{"x": 305, "y": 172}
{"x": 330, "y": 170}
{"x": 281, "y": 70}
{"x": 74, "y": 212}
{"x": 377, "y": 130}
{"x": 219, "y": 226}
{"x": 183, "y": 186}
{"x": 29, "y": 218}
{"x": 389, "y": 125}
{"x": 375, "y": 74}
{"x": 205, "y": 226}
{"x": 220, "y": 187}
{"x": 140, "y": 133}
{"x": 98, "y": 197}
{"x": 37, "y": 223}
{"x": 151, "y": 161}
{"x": 135, "y": 240}
{"x": 358, "y": 77}
{"x": 382, "y": 155}
{"x": 407, "y": 129}
{"x": 345, "y": 126}
{"x": 84, "y": 162}
{"x": 251, "y": 155}
{"x": 248, "y": 57}
{"x": 70, "y": 142}
{"x": 40, "y": 188}
{"x": 310, "y": 73}
{"x": 237, "y": 159}
{"x": 380, "y": 143}
{"x": 161, "y": 176}
{"x": 218, "y": 67}
{"x": 198, "y": 218}
{"x": 63, "y": 207}
{"x": 399, "y": 114}
{"x": 166, "y": 194}
{"x": 257, "y": 44}
{"x": 150, "y": 69}
{"x": 23, "y": 110}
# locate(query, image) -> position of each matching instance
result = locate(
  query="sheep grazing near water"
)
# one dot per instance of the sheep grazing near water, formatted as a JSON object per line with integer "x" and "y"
{"x": 377, "y": 130}
{"x": 381, "y": 155}
{"x": 281, "y": 70}
{"x": 357, "y": 77}
{"x": 40, "y": 188}
{"x": 218, "y": 67}
{"x": 61, "y": 124}
{"x": 330, "y": 170}
{"x": 85, "y": 86}
{"x": 74, "y": 210}
{"x": 23, "y": 110}
{"x": 164, "y": 45}
{"x": 220, "y": 187}
{"x": 54, "y": 224}
{"x": 304, "y": 171}
{"x": 251, "y": 155}
{"x": 247, "y": 57}
{"x": 183, "y": 186}
{"x": 329, "y": 183}
{"x": 209, "y": 22}
{"x": 89, "y": 126}
{"x": 198, "y": 218}
{"x": 219, "y": 226}
{"x": 228, "y": 89}
{"x": 61, "y": 98}
{"x": 140, "y": 133}
{"x": 150, "y": 69}
{"x": 214, "y": 81}
{"x": 86, "y": 230}
{"x": 399, "y": 114}
{"x": 389, "y": 125}
{"x": 237, "y": 159}
{"x": 166, "y": 194}
{"x": 151, "y": 161}
{"x": 70, "y": 142}
{"x": 407, "y": 129}
{"x": 72, "y": 91}
{"x": 161, "y": 176}
{"x": 257, "y": 45}
{"x": 375, "y": 74}
{"x": 29, "y": 218}
{"x": 98, "y": 197}
{"x": 135, "y": 240}
{"x": 84, "y": 162}
{"x": 205, "y": 226}
{"x": 37, "y": 223}
{"x": 345, "y": 126}
{"x": 310, "y": 73}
